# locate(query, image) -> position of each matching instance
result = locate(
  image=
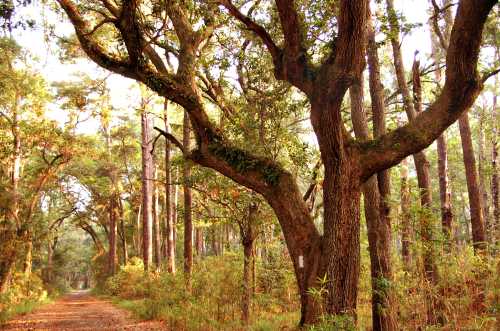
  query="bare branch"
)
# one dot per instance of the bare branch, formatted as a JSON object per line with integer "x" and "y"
{"x": 313, "y": 184}
{"x": 254, "y": 27}
{"x": 170, "y": 137}
{"x": 435, "y": 25}
{"x": 489, "y": 74}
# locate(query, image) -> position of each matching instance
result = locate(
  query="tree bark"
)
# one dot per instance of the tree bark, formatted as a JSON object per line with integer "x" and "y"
{"x": 28, "y": 256}
{"x": 406, "y": 231}
{"x": 476, "y": 211}
{"x": 379, "y": 230}
{"x": 444, "y": 188}
{"x": 188, "y": 222}
{"x": 50, "y": 261}
{"x": 199, "y": 242}
{"x": 156, "y": 219}
{"x": 169, "y": 223}
{"x": 113, "y": 228}
{"x": 138, "y": 233}
{"x": 9, "y": 229}
{"x": 147, "y": 230}
{"x": 248, "y": 235}
{"x": 112, "y": 199}
{"x": 124, "y": 235}
{"x": 482, "y": 175}
{"x": 376, "y": 191}
{"x": 495, "y": 231}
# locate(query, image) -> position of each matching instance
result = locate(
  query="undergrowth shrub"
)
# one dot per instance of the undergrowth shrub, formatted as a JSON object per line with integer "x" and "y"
{"x": 212, "y": 303}
{"x": 467, "y": 287}
{"x": 23, "y": 295}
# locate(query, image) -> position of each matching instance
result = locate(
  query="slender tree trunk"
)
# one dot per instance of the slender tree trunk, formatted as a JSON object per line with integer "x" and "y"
{"x": 442, "y": 152}
{"x": 246, "y": 302}
{"x": 113, "y": 227}
{"x": 50, "y": 262}
{"x": 405, "y": 215}
{"x": 113, "y": 200}
{"x": 199, "y": 242}
{"x": 169, "y": 244}
{"x": 482, "y": 174}
{"x": 138, "y": 233}
{"x": 379, "y": 230}
{"x": 376, "y": 192}
{"x": 444, "y": 187}
{"x": 156, "y": 220}
{"x": 421, "y": 165}
{"x": 122, "y": 229}
{"x": 28, "y": 257}
{"x": 495, "y": 231}
{"x": 147, "y": 230}
{"x": 248, "y": 235}
{"x": 476, "y": 211}
{"x": 188, "y": 222}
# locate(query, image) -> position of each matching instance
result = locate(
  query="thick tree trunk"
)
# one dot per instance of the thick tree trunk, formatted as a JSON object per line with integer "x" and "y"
{"x": 8, "y": 252}
{"x": 169, "y": 223}
{"x": 156, "y": 221}
{"x": 476, "y": 211}
{"x": 188, "y": 222}
{"x": 340, "y": 257}
{"x": 303, "y": 242}
{"x": 9, "y": 245}
{"x": 341, "y": 251}
{"x": 147, "y": 165}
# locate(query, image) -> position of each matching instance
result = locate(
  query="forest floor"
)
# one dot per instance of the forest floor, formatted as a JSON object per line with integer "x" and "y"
{"x": 79, "y": 310}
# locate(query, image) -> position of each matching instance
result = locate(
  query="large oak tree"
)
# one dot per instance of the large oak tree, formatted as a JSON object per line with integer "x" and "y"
{"x": 148, "y": 34}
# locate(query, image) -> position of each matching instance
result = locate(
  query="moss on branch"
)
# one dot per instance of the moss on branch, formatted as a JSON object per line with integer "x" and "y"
{"x": 243, "y": 162}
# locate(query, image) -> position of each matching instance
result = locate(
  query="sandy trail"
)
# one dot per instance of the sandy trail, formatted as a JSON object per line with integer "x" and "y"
{"x": 79, "y": 311}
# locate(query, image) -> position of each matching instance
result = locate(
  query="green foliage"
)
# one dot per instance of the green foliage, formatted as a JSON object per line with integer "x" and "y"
{"x": 334, "y": 323}
{"x": 25, "y": 294}
{"x": 212, "y": 304}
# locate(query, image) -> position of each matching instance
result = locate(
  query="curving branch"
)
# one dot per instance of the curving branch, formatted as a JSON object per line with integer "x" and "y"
{"x": 170, "y": 138}
{"x": 461, "y": 88}
{"x": 91, "y": 47}
{"x": 260, "y": 31}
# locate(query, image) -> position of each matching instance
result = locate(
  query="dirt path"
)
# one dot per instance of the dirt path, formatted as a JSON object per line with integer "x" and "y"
{"x": 79, "y": 311}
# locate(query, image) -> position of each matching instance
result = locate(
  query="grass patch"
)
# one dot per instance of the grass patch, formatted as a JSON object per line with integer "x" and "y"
{"x": 22, "y": 308}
